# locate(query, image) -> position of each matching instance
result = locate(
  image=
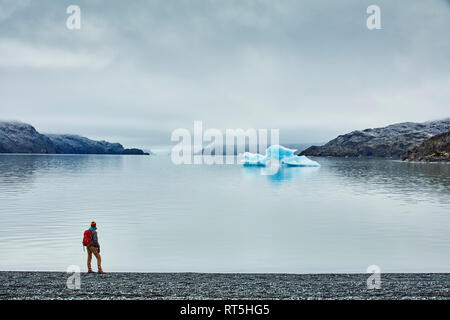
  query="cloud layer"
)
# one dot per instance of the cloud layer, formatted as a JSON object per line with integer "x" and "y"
{"x": 139, "y": 69}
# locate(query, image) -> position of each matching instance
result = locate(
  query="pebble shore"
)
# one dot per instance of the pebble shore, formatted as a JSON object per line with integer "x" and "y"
{"x": 112, "y": 286}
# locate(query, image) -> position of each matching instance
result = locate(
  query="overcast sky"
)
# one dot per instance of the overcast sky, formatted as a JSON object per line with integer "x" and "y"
{"x": 136, "y": 70}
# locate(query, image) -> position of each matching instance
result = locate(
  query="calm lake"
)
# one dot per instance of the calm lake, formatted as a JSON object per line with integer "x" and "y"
{"x": 153, "y": 215}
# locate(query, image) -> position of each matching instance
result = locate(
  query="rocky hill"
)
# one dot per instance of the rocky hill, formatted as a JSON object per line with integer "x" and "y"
{"x": 18, "y": 137}
{"x": 436, "y": 148}
{"x": 392, "y": 141}
{"x": 74, "y": 144}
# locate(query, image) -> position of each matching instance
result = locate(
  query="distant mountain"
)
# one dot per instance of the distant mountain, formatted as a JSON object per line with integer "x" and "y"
{"x": 391, "y": 141}
{"x": 234, "y": 149}
{"x": 18, "y": 137}
{"x": 436, "y": 148}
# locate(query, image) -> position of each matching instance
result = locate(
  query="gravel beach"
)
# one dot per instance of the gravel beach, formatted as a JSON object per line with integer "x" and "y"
{"x": 52, "y": 285}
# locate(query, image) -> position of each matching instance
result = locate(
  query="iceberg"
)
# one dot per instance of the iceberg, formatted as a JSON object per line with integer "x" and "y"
{"x": 253, "y": 159}
{"x": 280, "y": 154}
{"x": 300, "y": 161}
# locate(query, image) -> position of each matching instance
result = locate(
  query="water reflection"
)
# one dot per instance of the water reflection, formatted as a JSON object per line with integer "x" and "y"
{"x": 413, "y": 181}
{"x": 390, "y": 176}
{"x": 18, "y": 172}
{"x": 284, "y": 174}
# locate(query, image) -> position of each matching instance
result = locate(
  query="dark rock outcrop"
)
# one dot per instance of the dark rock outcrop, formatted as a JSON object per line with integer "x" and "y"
{"x": 135, "y": 151}
{"x": 18, "y": 137}
{"x": 391, "y": 141}
{"x": 436, "y": 148}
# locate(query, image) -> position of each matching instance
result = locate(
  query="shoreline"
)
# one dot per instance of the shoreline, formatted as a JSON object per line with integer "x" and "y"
{"x": 43, "y": 285}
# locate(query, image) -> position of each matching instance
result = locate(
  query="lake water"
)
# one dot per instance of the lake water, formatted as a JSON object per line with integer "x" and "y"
{"x": 155, "y": 216}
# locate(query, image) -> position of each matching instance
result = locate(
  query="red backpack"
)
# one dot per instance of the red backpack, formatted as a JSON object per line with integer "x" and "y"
{"x": 87, "y": 238}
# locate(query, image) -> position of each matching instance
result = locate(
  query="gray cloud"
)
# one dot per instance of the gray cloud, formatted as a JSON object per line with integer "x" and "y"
{"x": 139, "y": 69}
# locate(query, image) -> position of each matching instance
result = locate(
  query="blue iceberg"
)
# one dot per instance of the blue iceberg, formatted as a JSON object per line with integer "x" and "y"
{"x": 280, "y": 154}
